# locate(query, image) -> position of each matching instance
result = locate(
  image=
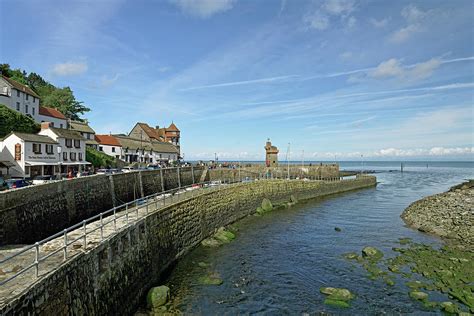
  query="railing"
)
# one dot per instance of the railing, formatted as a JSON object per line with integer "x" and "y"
{"x": 124, "y": 212}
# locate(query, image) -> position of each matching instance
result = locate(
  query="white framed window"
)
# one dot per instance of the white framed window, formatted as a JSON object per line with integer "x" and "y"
{"x": 26, "y": 108}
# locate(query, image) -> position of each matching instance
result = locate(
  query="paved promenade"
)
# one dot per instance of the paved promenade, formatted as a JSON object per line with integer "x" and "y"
{"x": 95, "y": 235}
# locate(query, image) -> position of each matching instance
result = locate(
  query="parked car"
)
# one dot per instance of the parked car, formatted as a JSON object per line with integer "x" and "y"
{"x": 128, "y": 169}
{"x": 104, "y": 171}
{"x": 3, "y": 184}
{"x": 17, "y": 183}
{"x": 42, "y": 179}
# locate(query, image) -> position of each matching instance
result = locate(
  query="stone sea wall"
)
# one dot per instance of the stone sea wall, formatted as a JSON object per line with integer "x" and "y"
{"x": 449, "y": 215}
{"x": 113, "y": 277}
{"x": 33, "y": 213}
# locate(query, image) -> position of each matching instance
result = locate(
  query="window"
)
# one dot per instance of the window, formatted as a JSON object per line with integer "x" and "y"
{"x": 52, "y": 124}
{"x": 88, "y": 136}
{"x": 80, "y": 156}
{"x": 37, "y": 148}
{"x": 68, "y": 143}
{"x": 18, "y": 93}
{"x": 117, "y": 156}
{"x": 101, "y": 148}
{"x": 26, "y": 94}
{"x": 64, "y": 156}
{"x": 72, "y": 156}
{"x": 77, "y": 143}
{"x": 33, "y": 110}
{"x": 26, "y": 108}
{"x": 34, "y": 99}
{"x": 61, "y": 125}
{"x": 49, "y": 149}
{"x": 18, "y": 106}
{"x": 113, "y": 149}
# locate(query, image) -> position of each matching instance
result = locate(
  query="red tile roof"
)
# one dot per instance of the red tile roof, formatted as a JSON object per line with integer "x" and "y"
{"x": 52, "y": 112}
{"x": 172, "y": 128}
{"x": 20, "y": 87}
{"x": 107, "y": 140}
{"x": 150, "y": 131}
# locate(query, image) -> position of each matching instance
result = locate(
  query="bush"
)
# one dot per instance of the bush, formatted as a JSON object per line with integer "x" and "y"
{"x": 13, "y": 121}
{"x": 99, "y": 159}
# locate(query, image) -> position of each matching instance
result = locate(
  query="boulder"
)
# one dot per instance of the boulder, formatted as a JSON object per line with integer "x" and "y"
{"x": 267, "y": 205}
{"x": 337, "y": 294}
{"x": 338, "y": 229}
{"x": 157, "y": 296}
{"x": 372, "y": 253}
{"x": 224, "y": 236}
{"x": 418, "y": 295}
{"x": 448, "y": 307}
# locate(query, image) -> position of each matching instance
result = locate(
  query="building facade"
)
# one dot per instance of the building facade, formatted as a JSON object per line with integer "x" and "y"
{"x": 110, "y": 145}
{"x": 271, "y": 154}
{"x": 147, "y": 152}
{"x": 55, "y": 117}
{"x": 171, "y": 134}
{"x": 29, "y": 155}
{"x": 86, "y": 131}
{"x": 72, "y": 151}
{"x": 19, "y": 97}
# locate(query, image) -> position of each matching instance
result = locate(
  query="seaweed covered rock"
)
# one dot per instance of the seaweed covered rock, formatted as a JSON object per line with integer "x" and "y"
{"x": 157, "y": 296}
{"x": 267, "y": 205}
{"x": 337, "y": 297}
{"x": 372, "y": 253}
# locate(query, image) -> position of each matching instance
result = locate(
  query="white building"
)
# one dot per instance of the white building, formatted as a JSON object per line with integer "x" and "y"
{"x": 19, "y": 97}
{"x": 147, "y": 151}
{"x": 28, "y": 155}
{"x": 86, "y": 131}
{"x": 53, "y": 116}
{"x": 72, "y": 147}
{"x": 109, "y": 145}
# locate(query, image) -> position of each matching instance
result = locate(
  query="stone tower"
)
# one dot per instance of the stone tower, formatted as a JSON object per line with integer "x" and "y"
{"x": 271, "y": 159}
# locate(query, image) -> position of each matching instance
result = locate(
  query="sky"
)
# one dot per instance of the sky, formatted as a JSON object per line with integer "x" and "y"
{"x": 335, "y": 79}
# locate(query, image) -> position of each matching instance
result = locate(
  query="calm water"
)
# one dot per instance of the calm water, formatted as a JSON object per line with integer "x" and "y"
{"x": 279, "y": 261}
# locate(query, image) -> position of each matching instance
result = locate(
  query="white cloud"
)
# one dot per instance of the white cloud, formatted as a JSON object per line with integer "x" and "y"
{"x": 405, "y": 33}
{"x": 70, "y": 68}
{"x": 203, "y": 8}
{"x": 394, "y": 68}
{"x": 391, "y": 152}
{"x": 317, "y": 20}
{"x": 320, "y": 17}
{"x": 379, "y": 23}
{"x": 339, "y": 7}
{"x": 415, "y": 23}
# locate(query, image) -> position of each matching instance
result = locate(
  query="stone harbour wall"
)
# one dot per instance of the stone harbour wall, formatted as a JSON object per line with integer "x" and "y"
{"x": 33, "y": 213}
{"x": 114, "y": 277}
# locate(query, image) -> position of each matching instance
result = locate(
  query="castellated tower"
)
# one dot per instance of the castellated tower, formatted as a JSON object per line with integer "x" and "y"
{"x": 271, "y": 159}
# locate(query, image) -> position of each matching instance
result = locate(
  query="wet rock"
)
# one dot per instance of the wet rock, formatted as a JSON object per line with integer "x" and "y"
{"x": 202, "y": 264}
{"x": 267, "y": 205}
{"x": 449, "y": 307}
{"x": 351, "y": 256}
{"x": 337, "y": 294}
{"x": 224, "y": 236}
{"x": 336, "y": 303}
{"x": 338, "y": 229}
{"x": 372, "y": 253}
{"x": 418, "y": 295}
{"x": 210, "y": 279}
{"x": 157, "y": 296}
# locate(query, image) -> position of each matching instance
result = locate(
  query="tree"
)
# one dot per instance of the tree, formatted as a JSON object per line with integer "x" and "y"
{"x": 64, "y": 100}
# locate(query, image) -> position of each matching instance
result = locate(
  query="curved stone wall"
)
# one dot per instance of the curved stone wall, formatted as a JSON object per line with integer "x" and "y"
{"x": 113, "y": 277}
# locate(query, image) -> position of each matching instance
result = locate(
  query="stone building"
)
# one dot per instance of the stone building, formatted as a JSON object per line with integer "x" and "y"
{"x": 170, "y": 134}
{"x": 271, "y": 159}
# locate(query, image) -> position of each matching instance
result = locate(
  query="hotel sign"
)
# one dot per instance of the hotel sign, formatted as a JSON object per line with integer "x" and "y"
{"x": 17, "y": 151}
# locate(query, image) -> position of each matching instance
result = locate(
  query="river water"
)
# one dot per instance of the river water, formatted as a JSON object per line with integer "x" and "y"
{"x": 278, "y": 262}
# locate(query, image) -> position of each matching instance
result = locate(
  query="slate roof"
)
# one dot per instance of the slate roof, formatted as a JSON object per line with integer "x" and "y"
{"x": 52, "y": 112}
{"x": 20, "y": 87}
{"x": 172, "y": 128}
{"x": 33, "y": 138}
{"x": 81, "y": 127}
{"x": 150, "y": 131}
{"x": 67, "y": 133}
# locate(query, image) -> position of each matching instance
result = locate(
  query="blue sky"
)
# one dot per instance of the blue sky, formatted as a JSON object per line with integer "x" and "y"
{"x": 344, "y": 78}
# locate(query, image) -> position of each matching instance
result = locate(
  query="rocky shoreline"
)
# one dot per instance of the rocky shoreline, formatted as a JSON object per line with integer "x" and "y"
{"x": 449, "y": 215}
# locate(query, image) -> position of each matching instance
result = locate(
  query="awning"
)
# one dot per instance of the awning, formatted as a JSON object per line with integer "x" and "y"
{"x": 38, "y": 163}
{"x": 6, "y": 164}
{"x": 75, "y": 163}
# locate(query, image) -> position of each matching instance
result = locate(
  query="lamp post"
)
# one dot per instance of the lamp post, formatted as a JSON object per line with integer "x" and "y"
{"x": 59, "y": 156}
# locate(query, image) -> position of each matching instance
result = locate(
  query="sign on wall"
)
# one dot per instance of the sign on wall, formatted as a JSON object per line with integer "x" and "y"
{"x": 17, "y": 151}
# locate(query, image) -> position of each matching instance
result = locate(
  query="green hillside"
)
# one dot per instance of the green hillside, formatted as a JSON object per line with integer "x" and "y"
{"x": 11, "y": 120}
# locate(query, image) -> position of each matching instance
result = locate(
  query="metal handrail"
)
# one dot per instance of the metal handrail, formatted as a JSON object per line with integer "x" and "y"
{"x": 112, "y": 217}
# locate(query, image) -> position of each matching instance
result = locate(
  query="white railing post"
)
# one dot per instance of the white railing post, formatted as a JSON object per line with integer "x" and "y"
{"x": 115, "y": 218}
{"x": 65, "y": 245}
{"x": 101, "y": 228}
{"x": 85, "y": 234}
{"x": 37, "y": 258}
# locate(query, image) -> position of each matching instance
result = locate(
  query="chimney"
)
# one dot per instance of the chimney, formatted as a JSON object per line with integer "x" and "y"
{"x": 45, "y": 125}
{"x": 157, "y": 126}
